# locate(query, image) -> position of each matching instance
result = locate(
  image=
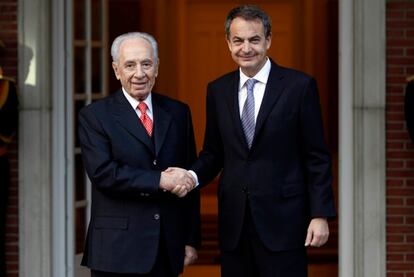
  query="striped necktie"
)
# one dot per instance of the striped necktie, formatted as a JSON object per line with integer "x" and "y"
{"x": 145, "y": 119}
{"x": 247, "y": 118}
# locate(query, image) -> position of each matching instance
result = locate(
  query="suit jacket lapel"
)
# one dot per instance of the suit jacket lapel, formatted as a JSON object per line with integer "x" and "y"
{"x": 162, "y": 121}
{"x": 273, "y": 91}
{"x": 128, "y": 119}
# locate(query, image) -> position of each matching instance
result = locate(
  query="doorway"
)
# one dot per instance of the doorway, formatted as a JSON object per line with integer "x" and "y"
{"x": 193, "y": 51}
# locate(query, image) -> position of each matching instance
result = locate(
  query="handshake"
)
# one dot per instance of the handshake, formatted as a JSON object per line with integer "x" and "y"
{"x": 177, "y": 180}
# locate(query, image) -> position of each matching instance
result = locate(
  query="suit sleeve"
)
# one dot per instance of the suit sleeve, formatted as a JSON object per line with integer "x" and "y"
{"x": 317, "y": 158}
{"x": 193, "y": 199}
{"x": 107, "y": 174}
{"x": 210, "y": 161}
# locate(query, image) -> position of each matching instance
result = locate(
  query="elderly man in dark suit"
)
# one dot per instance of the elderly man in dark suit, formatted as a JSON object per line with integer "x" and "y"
{"x": 139, "y": 225}
{"x": 264, "y": 131}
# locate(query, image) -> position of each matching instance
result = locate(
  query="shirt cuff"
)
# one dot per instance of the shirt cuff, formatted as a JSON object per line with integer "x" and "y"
{"x": 195, "y": 177}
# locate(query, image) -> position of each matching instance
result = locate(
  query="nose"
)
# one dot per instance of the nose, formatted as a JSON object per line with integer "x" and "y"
{"x": 246, "y": 46}
{"x": 139, "y": 73}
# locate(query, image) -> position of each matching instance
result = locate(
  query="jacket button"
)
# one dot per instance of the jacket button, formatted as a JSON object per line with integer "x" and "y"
{"x": 156, "y": 216}
{"x": 154, "y": 162}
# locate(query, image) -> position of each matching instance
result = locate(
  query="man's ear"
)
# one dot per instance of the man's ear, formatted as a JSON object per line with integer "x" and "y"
{"x": 115, "y": 68}
{"x": 268, "y": 41}
{"x": 228, "y": 42}
{"x": 156, "y": 69}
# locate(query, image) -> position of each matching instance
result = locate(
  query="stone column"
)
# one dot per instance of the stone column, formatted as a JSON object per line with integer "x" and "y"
{"x": 362, "y": 181}
{"x": 35, "y": 144}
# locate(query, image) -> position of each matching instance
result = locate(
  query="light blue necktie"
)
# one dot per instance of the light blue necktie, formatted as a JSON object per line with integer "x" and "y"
{"x": 247, "y": 117}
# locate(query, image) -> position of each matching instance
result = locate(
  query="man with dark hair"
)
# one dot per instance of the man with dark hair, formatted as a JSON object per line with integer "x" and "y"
{"x": 264, "y": 133}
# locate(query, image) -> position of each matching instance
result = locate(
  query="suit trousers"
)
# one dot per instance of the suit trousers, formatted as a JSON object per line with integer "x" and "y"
{"x": 162, "y": 266}
{"x": 251, "y": 258}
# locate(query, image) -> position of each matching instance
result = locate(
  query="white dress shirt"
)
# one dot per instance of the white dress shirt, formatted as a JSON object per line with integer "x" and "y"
{"x": 258, "y": 90}
{"x": 134, "y": 103}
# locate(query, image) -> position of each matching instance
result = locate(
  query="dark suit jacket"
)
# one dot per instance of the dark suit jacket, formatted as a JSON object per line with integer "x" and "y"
{"x": 129, "y": 211}
{"x": 285, "y": 176}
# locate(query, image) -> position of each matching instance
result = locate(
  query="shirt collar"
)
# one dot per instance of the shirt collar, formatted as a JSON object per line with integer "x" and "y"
{"x": 261, "y": 76}
{"x": 134, "y": 102}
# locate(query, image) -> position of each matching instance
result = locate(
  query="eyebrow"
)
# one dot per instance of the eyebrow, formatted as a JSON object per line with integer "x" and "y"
{"x": 249, "y": 38}
{"x": 142, "y": 61}
{"x": 146, "y": 60}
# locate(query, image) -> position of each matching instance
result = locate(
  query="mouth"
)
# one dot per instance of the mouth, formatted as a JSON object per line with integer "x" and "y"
{"x": 246, "y": 58}
{"x": 139, "y": 85}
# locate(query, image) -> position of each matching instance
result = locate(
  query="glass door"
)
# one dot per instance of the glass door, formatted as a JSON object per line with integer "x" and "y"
{"x": 89, "y": 83}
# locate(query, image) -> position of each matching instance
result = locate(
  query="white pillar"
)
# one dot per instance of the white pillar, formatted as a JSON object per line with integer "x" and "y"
{"x": 362, "y": 167}
{"x": 62, "y": 238}
{"x": 346, "y": 142}
{"x": 34, "y": 138}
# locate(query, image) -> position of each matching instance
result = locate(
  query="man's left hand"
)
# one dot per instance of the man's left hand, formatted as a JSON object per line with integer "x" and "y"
{"x": 318, "y": 232}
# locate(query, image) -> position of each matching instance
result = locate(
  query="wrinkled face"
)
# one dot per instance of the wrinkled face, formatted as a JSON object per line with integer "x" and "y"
{"x": 136, "y": 67}
{"x": 248, "y": 45}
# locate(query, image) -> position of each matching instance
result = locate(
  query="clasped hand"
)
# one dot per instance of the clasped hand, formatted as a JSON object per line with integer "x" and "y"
{"x": 177, "y": 180}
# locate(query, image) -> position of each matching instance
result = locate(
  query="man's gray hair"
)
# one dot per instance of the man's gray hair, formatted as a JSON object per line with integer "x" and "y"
{"x": 133, "y": 35}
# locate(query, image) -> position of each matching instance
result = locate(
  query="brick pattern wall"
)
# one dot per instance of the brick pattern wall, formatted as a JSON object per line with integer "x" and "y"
{"x": 8, "y": 61}
{"x": 400, "y": 149}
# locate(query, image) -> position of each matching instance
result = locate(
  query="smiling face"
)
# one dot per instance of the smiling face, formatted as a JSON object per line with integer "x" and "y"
{"x": 248, "y": 44}
{"x": 136, "y": 67}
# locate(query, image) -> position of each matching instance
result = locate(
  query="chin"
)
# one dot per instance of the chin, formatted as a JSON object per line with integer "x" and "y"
{"x": 140, "y": 95}
{"x": 247, "y": 63}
